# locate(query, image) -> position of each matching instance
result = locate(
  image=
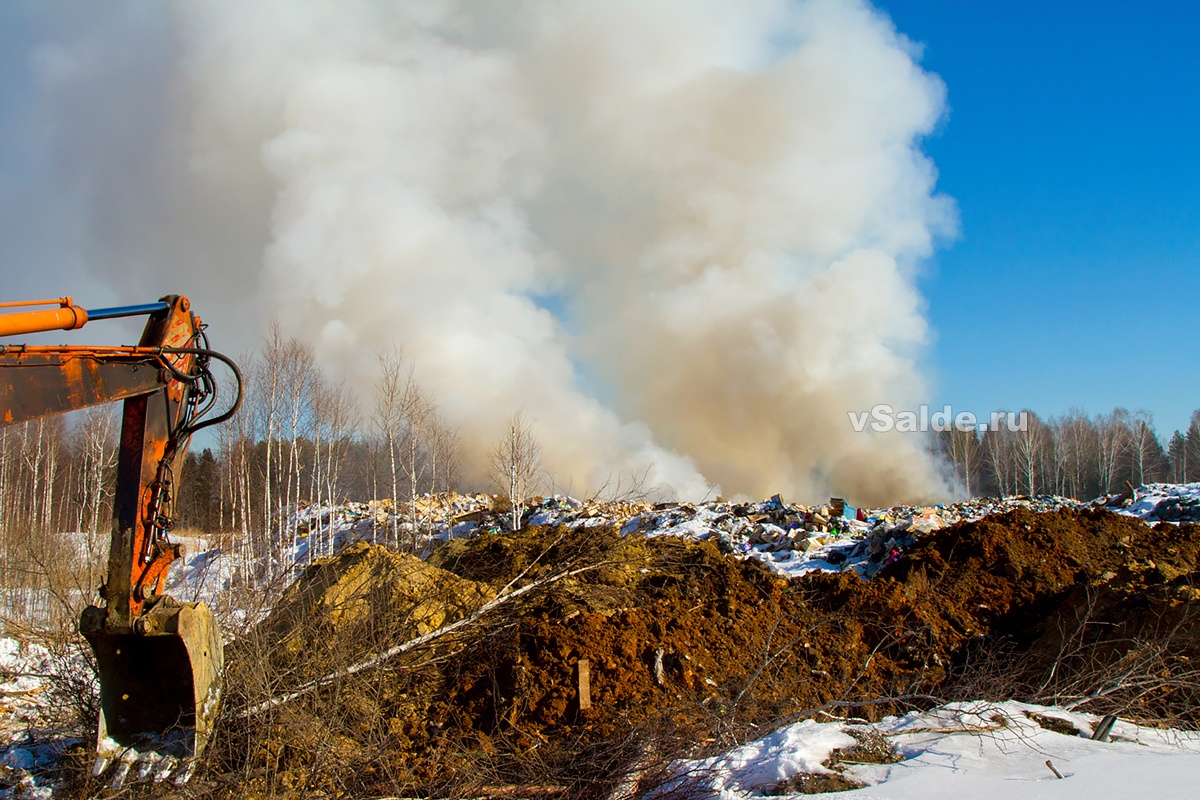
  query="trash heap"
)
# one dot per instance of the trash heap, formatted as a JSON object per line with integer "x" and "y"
{"x": 785, "y": 539}
{"x": 979, "y": 507}
{"x": 788, "y": 539}
{"x": 1158, "y": 502}
{"x": 793, "y": 539}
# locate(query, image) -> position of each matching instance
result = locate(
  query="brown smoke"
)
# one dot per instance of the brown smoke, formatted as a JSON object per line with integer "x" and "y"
{"x": 680, "y": 236}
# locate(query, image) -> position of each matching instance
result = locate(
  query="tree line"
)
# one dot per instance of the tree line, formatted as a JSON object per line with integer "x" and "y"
{"x": 1074, "y": 455}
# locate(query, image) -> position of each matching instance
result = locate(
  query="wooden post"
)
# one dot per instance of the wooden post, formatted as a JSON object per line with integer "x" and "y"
{"x": 585, "y": 684}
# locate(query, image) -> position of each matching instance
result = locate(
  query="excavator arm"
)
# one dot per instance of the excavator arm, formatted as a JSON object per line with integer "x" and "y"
{"x": 159, "y": 660}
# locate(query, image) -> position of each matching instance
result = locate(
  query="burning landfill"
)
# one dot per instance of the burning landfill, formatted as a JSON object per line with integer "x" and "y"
{"x": 632, "y": 221}
{"x": 609, "y": 648}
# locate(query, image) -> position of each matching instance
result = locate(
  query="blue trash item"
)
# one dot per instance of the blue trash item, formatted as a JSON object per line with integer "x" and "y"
{"x": 850, "y": 512}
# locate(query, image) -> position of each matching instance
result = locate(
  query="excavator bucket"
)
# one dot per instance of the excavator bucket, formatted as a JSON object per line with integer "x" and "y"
{"x": 160, "y": 690}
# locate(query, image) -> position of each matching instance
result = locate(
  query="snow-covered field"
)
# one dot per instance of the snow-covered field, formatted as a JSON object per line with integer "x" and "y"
{"x": 980, "y": 751}
{"x": 30, "y": 751}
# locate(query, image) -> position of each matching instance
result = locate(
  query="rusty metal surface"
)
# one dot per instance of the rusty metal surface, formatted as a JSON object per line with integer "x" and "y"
{"x": 42, "y": 381}
{"x": 149, "y": 459}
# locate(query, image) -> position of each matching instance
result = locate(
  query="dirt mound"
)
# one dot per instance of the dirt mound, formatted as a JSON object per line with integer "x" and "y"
{"x": 364, "y": 589}
{"x": 685, "y": 648}
{"x": 1000, "y": 576}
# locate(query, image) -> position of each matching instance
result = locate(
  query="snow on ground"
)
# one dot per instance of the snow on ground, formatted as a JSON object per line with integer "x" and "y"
{"x": 1165, "y": 502}
{"x": 982, "y": 751}
{"x": 23, "y": 666}
{"x": 28, "y": 752}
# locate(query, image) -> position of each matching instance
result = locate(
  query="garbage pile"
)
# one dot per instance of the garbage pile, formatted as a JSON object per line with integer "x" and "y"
{"x": 791, "y": 539}
{"x": 794, "y": 539}
{"x": 979, "y": 507}
{"x": 1158, "y": 502}
{"x": 660, "y": 641}
{"x": 783, "y": 538}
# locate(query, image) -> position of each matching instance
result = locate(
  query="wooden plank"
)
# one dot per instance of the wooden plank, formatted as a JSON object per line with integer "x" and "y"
{"x": 585, "y": 684}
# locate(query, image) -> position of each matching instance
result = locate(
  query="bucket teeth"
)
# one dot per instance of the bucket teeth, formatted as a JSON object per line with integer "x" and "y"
{"x": 166, "y": 766}
{"x": 129, "y": 766}
{"x": 146, "y": 764}
{"x": 120, "y": 774}
{"x": 160, "y": 693}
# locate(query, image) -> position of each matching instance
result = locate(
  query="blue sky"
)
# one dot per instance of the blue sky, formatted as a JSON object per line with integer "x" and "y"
{"x": 1070, "y": 147}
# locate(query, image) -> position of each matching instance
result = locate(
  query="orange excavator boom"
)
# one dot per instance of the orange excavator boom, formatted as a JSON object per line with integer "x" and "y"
{"x": 159, "y": 660}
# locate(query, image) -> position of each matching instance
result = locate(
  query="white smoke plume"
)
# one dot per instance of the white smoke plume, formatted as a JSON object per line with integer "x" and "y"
{"x": 680, "y": 236}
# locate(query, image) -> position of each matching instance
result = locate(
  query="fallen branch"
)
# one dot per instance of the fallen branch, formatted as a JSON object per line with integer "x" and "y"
{"x": 411, "y": 644}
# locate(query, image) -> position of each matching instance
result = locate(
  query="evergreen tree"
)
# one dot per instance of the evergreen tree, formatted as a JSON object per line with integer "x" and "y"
{"x": 1192, "y": 452}
{"x": 1177, "y": 457}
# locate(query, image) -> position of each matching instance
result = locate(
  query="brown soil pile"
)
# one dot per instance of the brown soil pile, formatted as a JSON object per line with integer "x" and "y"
{"x": 364, "y": 596}
{"x": 687, "y": 649}
{"x": 363, "y": 588}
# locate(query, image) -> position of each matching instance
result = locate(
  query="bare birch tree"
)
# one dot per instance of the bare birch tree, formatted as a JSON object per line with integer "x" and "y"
{"x": 298, "y": 377}
{"x": 393, "y": 396}
{"x": 1113, "y": 430}
{"x": 965, "y": 454}
{"x": 516, "y": 464}
{"x": 1031, "y": 454}
{"x": 999, "y": 458}
{"x": 1076, "y": 446}
{"x": 266, "y": 404}
{"x": 445, "y": 445}
{"x": 1145, "y": 452}
{"x": 336, "y": 419}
